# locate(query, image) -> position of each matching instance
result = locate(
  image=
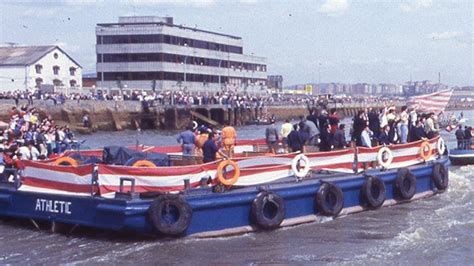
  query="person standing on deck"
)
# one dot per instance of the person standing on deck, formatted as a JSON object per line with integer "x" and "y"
{"x": 334, "y": 120}
{"x": 210, "y": 149}
{"x": 366, "y": 137}
{"x": 340, "y": 137}
{"x": 460, "y": 137}
{"x": 313, "y": 132}
{"x": 295, "y": 142}
{"x": 271, "y": 136}
{"x": 285, "y": 130}
{"x": 187, "y": 141}
{"x": 403, "y": 125}
{"x": 430, "y": 129}
{"x": 325, "y": 135}
{"x": 229, "y": 138}
{"x": 467, "y": 137}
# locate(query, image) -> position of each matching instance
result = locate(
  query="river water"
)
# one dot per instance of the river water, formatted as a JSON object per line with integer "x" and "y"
{"x": 436, "y": 230}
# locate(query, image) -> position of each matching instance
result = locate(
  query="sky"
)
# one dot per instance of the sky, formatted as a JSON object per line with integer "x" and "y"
{"x": 348, "y": 41}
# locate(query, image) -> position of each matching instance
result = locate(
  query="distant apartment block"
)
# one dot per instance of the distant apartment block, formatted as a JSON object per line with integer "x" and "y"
{"x": 153, "y": 53}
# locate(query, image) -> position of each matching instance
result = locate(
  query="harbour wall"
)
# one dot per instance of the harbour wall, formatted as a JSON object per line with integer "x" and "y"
{"x": 119, "y": 115}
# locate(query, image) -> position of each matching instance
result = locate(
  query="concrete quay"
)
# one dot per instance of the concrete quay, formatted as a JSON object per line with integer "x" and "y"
{"x": 119, "y": 115}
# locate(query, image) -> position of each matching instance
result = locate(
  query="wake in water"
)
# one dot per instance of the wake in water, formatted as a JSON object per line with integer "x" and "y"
{"x": 437, "y": 228}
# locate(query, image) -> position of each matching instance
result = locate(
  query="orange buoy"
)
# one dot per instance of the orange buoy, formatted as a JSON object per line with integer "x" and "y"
{"x": 425, "y": 150}
{"x": 66, "y": 161}
{"x": 220, "y": 172}
{"x": 143, "y": 163}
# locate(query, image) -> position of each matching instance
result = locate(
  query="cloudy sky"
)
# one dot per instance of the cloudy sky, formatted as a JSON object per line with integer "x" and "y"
{"x": 332, "y": 40}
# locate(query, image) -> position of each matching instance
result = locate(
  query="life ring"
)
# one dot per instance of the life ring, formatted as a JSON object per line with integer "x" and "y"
{"x": 220, "y": 172}
{"x": 170, "y": 214}
{"x": 373, "y": 191}
{"x": 440, "y": 176}
{"x": 405, "y": 184}
{"x": 74, "y": 146}
{"x": 268, "y": 210}
{"x": 441, "y": 146}
{"x": 329, "y": 199}
{"x": 381, "y": 157}
{"x": 298, "y": 172}
{"x": 143, "y": 163}
{"x": 425, "y": 155}
{"x": 66, "y": 161}
{"x": 195, "y": 125}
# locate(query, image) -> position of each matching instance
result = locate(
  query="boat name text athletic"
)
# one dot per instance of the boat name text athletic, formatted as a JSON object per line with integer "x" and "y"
{"x": 54, "y": 206}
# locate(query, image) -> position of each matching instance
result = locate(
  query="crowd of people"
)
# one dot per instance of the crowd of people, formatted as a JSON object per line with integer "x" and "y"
{"x": 230, "y": 98}
{"x": 29, "y": 138}
{"x": 370, "y": 127}
{"x": 463, "y": 137}
{"x": 323, "y": 131}
{"x": 208, "y": 142}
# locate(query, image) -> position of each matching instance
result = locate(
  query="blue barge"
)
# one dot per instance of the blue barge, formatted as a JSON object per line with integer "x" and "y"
{"x": 208, "y": 212}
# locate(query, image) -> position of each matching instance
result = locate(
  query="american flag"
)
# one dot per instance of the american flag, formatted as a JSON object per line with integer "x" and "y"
{"x": 434, "y": 102}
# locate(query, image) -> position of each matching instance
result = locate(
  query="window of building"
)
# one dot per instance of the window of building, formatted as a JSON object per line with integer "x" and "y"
{"x": 169, "y": 39}
{"x": 38, "y": 82}
{"x": 57, "y": 82}
{"x": 72, "y": 83}
{"x": 38, "y": 68}
{"x": 72, "y": 71}
{"x": 56, "y": 70}
{"x": 55, "y": 55}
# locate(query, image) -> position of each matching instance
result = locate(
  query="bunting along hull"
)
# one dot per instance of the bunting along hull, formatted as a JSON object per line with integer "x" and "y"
{"x": 210, "y": 213}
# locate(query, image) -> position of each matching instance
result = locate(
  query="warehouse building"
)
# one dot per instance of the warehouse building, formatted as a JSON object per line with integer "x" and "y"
{"x": 32, "y": 67}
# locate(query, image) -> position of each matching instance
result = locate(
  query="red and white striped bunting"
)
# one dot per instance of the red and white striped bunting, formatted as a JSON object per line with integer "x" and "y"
{"x": 434, "y": 102}
{"x": 64, "y": 178}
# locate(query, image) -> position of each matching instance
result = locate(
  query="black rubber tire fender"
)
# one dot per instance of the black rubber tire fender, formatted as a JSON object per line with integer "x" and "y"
{"x": 373, "y": 192}
{"x": 329, "y": 199}
{"x": 268, "y": 210}
{"x": 440, "y": 176}
{"x": 170, "y": 214}
{"x": 405, "y": 184}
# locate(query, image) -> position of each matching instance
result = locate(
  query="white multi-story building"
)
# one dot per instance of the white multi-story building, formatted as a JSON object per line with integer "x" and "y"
{"x": 155, "y": 54}
{"x": 29, "y": 67}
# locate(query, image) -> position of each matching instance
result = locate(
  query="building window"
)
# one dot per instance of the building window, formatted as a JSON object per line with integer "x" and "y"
{"x": 55, "y": 70}
{"x": 57, "y": 82}
{"x": 72, "y": 71}
{"x": 72, "y": 83}
{"x": 55, "y": 55}
{"x": 38, "y": 68}
{"x": 38, "y": 82}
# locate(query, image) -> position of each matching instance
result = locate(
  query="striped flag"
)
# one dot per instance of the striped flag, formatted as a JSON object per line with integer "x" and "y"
{"x": 434, "y": 102}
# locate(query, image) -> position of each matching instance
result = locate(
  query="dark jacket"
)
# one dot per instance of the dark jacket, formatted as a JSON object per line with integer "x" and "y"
{"x": 325, "y": 144}
{"x": 295, "y": 141}
{"x": 419, "y": 133}
{"x": 339, "y": 139}
{"x": 459, "y": 134}
{"x": 383, "y": 138}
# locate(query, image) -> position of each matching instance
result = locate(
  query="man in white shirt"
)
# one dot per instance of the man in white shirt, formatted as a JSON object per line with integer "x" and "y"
{"x": 286, "y": 128}
{"x": 366, "y": 137}
{"x": 403, "y": 125}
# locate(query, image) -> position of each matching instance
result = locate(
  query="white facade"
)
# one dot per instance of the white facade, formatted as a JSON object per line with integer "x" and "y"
{"x": 229, "y": 69}
{"x": 54, "y": 67}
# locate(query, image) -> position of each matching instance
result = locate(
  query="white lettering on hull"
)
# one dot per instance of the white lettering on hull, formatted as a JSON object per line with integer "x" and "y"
{"x": 53, "y": 206}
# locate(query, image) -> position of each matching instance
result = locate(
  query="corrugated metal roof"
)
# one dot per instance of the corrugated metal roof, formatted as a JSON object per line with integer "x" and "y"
{"x": 23, "y": 55}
